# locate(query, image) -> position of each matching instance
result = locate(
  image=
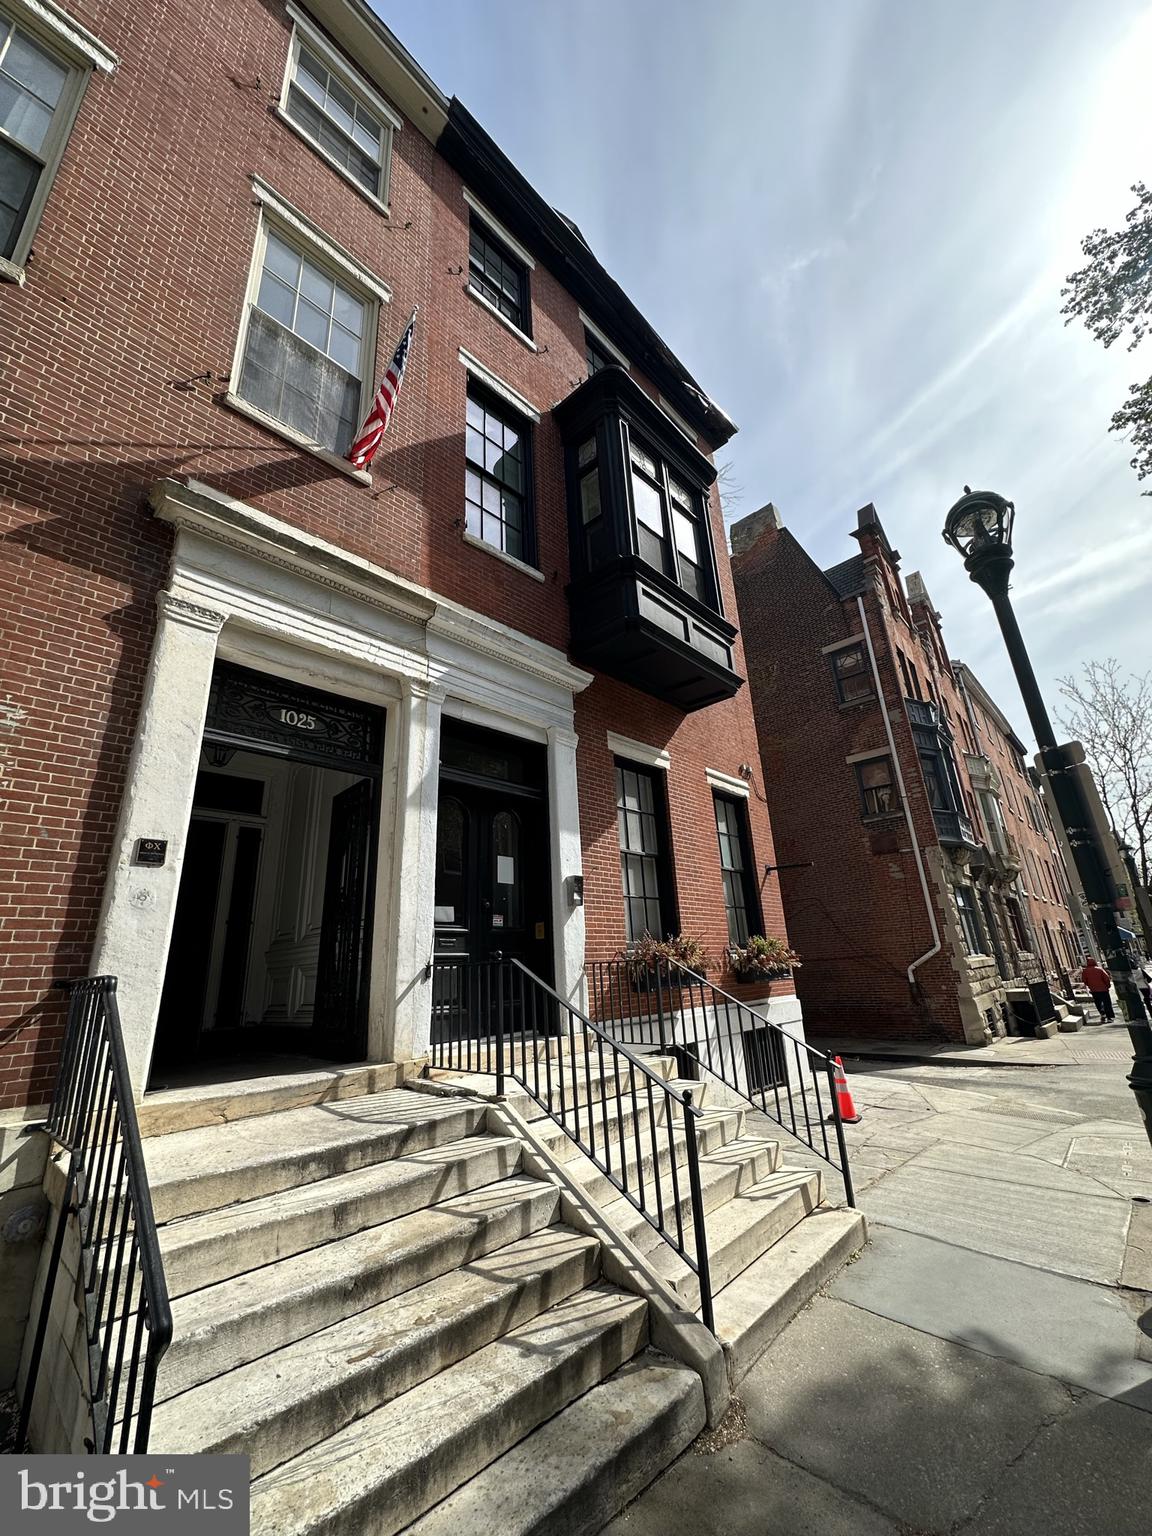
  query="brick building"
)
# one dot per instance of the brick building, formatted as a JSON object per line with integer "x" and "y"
{"x": 928, "y": 893}
{"x": 222, "y": 641}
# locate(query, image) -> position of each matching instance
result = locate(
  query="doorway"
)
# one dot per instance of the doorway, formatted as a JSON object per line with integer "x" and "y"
{"x": 493, "y": 897}
{"x": 272, "y": 931}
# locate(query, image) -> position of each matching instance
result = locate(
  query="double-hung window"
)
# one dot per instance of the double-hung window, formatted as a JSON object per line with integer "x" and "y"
{"x": 668, "y": 521}
{"x": 644, "y": 864}
{"x": 308, "y": 340}
{"x": 740, "y": 896}
{"x": 39, "y": 93}
{"x": 498, "y": 275}
{"x": 878, "y": 794}
{"x": 497, "y": 476}
{"x": 338, "y": 112}
{"x": 853, "y": 678}
{"x": 969, "y": 916}
{"x": 596, "y": 355}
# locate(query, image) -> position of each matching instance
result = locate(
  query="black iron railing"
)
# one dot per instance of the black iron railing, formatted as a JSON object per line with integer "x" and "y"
{"x": 685, "y": 1015}
{"x": 127, "y": 1318}
{"x": 497, "y": 1018}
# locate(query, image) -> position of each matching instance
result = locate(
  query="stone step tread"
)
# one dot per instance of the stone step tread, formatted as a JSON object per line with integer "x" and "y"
{"x": 201, "y": 1170}
{"x": 251, "y": 1233}
{"x": 763, "y": 1298}
{"x": 716, "y": 1130}
{"x": 378, "y": 1474}
{"x": 743, "y": 1228}
{"x": 578, "y": 1470}
{"x": 249, "y": 1315}
{"x": 716, "y": 1167}
{"x": 276, "y": 1406}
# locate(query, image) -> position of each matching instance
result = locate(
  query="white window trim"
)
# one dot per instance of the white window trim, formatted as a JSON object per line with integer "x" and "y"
{"x": 498, "y": 387}
{"x": 486, "y": 303}
{"x": 275, "y": 211}
{"x": 64, "y": 33}
{"x": 841, "y": 645}
{"x": 305, "y": 31}
{"x": 727, "y": 784}
{"x": 331, "y": 254}
{"x": 675, "y": 417}
{"x": 639, "y": 752}
{"x": 78, "y": 51}
{"x": 498, "y": 230}
{"x": 610, "y": 347}
{"x": 476, "y": 542}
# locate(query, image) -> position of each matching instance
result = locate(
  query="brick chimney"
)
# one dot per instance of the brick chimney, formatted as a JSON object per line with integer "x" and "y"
{"x": 751, "y": 529}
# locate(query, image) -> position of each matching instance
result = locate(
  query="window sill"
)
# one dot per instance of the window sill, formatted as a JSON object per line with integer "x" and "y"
{"x": 289, "y": 121}
{"x": 881, "y": 816}
{"x": 478, "y": 298}
{"x": 11, "y": 273}
{"x": 297, "y": 439}
{"x": 855, "y": 703}
{"x": 490, "y": 549}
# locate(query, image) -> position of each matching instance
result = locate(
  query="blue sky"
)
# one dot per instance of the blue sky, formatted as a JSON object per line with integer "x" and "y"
{"x": 851, "y": 219}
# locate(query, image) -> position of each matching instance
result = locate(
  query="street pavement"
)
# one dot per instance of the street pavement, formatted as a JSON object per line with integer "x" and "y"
{"x": 985, "y": 1366}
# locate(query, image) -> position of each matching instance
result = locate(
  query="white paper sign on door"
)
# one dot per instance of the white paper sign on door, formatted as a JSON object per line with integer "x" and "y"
{"x": 505, "y": 869}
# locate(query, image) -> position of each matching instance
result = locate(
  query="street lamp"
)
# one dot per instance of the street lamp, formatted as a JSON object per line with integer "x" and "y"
{"x": 979, "y": 526}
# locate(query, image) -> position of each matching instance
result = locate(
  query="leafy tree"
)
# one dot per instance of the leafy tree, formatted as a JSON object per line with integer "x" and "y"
{"x": 1112, "y": 716}
{"x": 1113, "y": 297}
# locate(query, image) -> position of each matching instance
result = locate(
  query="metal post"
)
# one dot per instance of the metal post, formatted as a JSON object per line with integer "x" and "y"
{"x": 988, "y": 561}
{"x": 845, "y": 1171}
{"x": 500, "y": 1029}
{"x": 702, "y": 1270}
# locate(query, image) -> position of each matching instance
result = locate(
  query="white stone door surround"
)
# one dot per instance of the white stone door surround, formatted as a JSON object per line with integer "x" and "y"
{"x": 249, "y": 588}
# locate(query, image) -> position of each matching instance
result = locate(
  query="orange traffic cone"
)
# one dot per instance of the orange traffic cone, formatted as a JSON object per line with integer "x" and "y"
{"x": 843, "y": 1098}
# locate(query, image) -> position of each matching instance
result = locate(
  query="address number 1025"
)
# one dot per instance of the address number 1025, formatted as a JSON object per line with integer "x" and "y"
{"x": 295, "y": 717}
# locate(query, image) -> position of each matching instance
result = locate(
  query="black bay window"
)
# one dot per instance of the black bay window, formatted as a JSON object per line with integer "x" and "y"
{"x": 645, "y": 597}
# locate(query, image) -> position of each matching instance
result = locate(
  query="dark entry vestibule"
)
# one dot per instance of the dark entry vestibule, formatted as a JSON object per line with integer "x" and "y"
{"x": 270, "y": 945}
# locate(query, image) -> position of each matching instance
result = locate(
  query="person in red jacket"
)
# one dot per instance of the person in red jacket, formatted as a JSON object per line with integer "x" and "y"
{"x": 1099, "y": 983}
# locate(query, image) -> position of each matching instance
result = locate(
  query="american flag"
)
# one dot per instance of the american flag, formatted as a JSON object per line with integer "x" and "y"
{"x": 363, "y": 450}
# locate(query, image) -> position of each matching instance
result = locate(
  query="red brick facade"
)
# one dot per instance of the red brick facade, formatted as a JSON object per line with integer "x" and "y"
{"x": 133, "y": 295}
{"x": 866, "y": 910}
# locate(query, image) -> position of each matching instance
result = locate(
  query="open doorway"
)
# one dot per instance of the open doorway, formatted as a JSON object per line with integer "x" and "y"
{"x": 269, "y": 953}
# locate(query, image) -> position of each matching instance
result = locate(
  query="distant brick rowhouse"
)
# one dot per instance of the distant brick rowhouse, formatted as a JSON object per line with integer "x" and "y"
{"x": 275, "y": 733}
{"x": 931, "y": 891}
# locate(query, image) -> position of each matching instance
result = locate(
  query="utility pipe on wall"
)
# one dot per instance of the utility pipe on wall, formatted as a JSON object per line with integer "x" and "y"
{"x": 920, "y": 870}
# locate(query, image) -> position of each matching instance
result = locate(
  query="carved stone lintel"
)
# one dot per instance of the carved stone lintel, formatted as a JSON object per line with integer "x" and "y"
{"x": 181, "y": 611}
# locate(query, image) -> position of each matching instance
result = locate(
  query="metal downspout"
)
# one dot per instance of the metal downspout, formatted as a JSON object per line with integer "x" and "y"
{"x": 928, "y": 907}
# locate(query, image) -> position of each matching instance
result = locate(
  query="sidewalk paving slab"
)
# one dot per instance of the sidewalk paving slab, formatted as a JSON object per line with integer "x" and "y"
{"x": 1083, "y": 1334}
{"x": 919, "y": 1427}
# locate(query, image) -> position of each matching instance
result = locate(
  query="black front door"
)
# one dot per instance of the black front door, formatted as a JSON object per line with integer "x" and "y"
{"x": 492, "y": 894}
{"x": 341, "y": 996}
{"x": 493, "y": 889}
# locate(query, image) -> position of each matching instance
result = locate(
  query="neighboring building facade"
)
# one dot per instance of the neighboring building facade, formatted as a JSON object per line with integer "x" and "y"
{"x": 279, "y": 733}
{"x": 920, "y": 899}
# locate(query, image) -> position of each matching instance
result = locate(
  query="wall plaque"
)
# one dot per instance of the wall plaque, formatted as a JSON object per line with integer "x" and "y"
{"x": 151, "y": 851}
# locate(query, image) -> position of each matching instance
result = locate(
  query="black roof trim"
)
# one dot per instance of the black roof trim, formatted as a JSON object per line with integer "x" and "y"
{"x": 554, "y": 239}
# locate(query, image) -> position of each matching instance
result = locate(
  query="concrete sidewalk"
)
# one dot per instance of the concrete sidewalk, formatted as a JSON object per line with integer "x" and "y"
{"x": 985, "y": 1367}
{"x": 1094, "y": 1043}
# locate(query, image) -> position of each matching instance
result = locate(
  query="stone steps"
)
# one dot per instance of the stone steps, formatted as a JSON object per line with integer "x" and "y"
{"x": 386, "y": 1469}
{"x": 215, "y": 1245}
{"x": 283, "y": 1403}
{"x": 204, "y": 1169}
{"x": 578, "y": 1470}
{"x": 225, "y": 1325}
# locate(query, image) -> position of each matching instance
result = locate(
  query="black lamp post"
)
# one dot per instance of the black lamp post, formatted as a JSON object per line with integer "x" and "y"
{"x": 979, "y": 526}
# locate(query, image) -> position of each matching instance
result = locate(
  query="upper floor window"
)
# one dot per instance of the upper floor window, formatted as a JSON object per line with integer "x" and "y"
{"x": 645, "y": 866}
{"x": 969, "y": 916}
{"x": 496, "y": 479}
{"x": 39, "y": 92}
{"x": 307, "y": 342}
{"x": 740, "y": 896}
{"x": 668, "y": 516}
{"x": 878, "y": 795}
{"x": 850, "y": 669}
{"x": 498, "y": 275}
{"x": 338, "y": 112}
{"x": 596, "y": 354}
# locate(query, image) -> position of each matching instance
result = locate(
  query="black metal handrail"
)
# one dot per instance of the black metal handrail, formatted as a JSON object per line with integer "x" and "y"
{"x": 707, "y": 1029}
{"x": 496, "y": 1017}
{"x": 93, "y": 1117}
